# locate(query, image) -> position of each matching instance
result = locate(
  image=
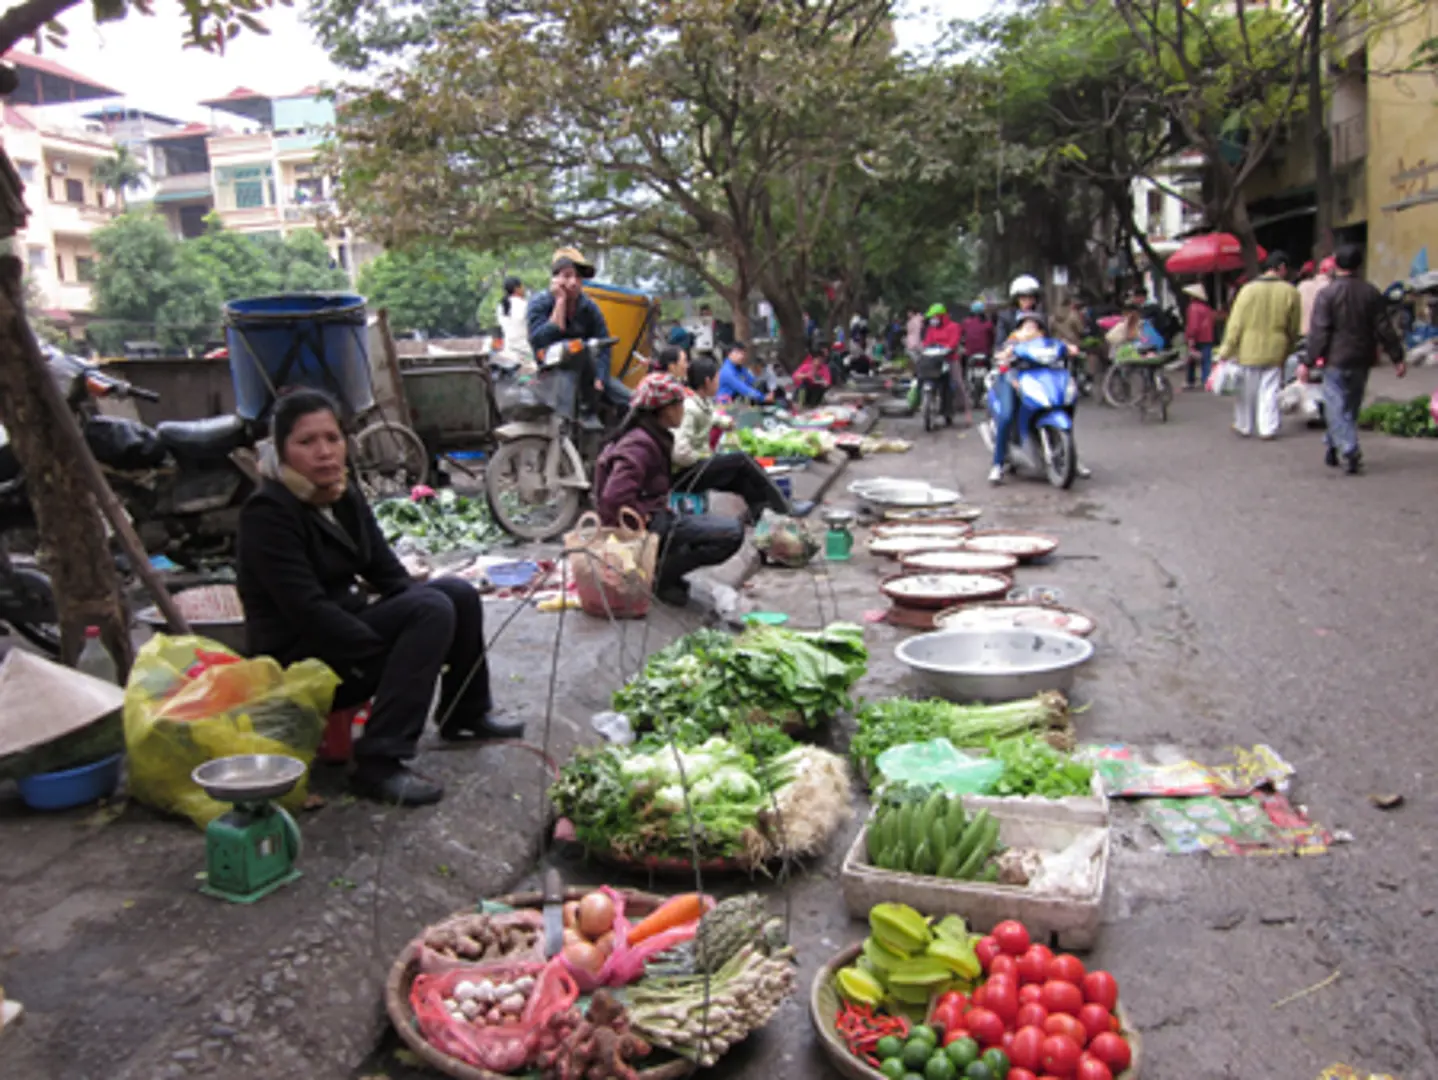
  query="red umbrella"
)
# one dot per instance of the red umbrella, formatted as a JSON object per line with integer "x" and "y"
{"x": 1212, "y": 253}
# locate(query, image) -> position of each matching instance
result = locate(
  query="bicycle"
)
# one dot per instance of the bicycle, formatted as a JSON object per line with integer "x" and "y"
{"x": 1137, "y": 378}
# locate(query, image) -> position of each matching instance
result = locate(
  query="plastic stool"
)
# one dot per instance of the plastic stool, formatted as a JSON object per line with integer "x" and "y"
{"x": 342, "y": 727}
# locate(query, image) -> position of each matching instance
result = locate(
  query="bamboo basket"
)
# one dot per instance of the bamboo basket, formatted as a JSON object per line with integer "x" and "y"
{"x": 406, "y": 967}
{"x": 824, "y": 1002}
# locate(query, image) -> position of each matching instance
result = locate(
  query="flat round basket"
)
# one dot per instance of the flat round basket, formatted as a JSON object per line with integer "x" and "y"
{"x": 667, "y": 864}
{"x": 406, "y": 967}
{"x": 943, "y": 590}
{"x": 1024, "y": 546}
{"x": 824, "y": 1004}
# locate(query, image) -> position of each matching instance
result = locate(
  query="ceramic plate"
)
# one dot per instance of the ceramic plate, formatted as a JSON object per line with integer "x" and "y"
{"x": 960, "y": 561}
{"x": 1023, "y": 616}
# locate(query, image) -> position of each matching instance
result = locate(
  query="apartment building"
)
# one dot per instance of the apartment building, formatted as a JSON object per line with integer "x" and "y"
{"x": 177, "y": 165}
{"x": 56, "y": 163}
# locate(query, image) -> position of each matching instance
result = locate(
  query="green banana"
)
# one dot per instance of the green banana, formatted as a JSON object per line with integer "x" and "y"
{"x": 939, "y": 838}
{"x": 955, "y": 819}
{"x": 974, "y": 863}
{"x": 974, "y": 830}
{"x": 922, "y": 860}
{"x": 950, "y": 864}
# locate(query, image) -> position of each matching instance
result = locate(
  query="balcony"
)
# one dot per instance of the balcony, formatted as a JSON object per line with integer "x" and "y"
{"x": 78, "y": 219}
{"x": 223, "y": 149}
{"x": 74, "y": 296}
{"x": 302, "y": 146}
{"x": 250, "y": 219}
{"x": 1350, "y": 140}
{"x": 184, "y": 187}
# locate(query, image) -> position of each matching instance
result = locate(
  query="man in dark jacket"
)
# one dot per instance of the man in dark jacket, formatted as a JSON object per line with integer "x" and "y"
{"x": 1349, "y": 323}
{"x": 564, "y": 313}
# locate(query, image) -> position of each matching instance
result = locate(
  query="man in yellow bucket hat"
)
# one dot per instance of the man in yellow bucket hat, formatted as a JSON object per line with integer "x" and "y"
{"x": 564, "y": 313}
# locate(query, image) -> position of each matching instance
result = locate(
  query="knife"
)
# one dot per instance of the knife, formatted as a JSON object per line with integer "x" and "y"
{"x": 553, "y": 912}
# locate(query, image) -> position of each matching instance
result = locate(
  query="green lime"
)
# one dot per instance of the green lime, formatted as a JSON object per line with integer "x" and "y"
{"x": 893, "y": 1068}
{"x": 913, "y": 1076}
{"x": 997, "y": 1061}
{"x": 923, "y": 1031}
{"x": 978, "y": 1071}
{"x": 917, "y": 1053}
{"x": 963, "y": 1052}
{"x": 890, "y": 1046}
{"x": 940, "y": 1068}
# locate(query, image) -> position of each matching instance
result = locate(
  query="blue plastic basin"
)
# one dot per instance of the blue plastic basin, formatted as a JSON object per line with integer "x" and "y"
{"x": 72, "y": 787}
{"x": 303, "y": 339}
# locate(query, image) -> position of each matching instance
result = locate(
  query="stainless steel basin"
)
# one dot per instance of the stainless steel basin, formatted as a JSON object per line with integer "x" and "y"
{"x": 995, "y": 665}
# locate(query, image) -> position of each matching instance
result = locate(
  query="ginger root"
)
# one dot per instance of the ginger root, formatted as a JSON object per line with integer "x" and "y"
{"x": 598, "y": 1047}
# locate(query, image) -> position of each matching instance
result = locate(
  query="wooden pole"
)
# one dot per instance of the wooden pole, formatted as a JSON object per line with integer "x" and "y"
{"x": 68, "y": 431}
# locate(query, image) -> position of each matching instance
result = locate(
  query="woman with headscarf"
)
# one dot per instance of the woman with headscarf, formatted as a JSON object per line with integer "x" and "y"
{"x": 635, "y": 470}
{"x": 318, "y": 580}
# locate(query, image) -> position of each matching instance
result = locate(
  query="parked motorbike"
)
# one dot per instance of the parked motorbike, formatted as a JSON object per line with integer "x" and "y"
{"x": 934, "y": 369}
{"x": 536, "y": 480}
{"x": 1041, "y": 436}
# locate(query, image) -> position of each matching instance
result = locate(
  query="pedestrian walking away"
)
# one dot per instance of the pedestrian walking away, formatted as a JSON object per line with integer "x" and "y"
{"x": 1198, "y": 327}
{"x": 1261, "y": 332}
{"x": 1349, "y": 325}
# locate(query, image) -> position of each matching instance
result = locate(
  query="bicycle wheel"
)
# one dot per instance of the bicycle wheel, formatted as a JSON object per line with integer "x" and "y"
{"x": 390, "y": 460}
{"x": 1118, "y": 387}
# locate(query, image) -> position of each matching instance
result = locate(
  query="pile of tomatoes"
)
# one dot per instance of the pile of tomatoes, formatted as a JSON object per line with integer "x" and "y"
{"x": 1054, "y": 1019}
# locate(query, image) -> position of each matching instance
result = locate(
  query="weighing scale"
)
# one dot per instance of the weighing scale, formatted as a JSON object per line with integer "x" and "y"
{"x": 838, "y": 541}
{"x": 250, "y": 851}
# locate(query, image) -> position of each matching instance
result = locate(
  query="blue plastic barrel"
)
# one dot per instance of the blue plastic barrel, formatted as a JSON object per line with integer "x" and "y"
{"x": 305, "y": 339}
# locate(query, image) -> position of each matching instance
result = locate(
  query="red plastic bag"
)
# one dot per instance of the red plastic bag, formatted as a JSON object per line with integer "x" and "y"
{"x": 626, "y": 963}
{"x": 499, "y": 1048}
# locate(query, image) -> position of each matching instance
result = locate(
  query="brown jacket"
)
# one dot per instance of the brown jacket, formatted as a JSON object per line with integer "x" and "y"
{"x": 1350, "y": 321}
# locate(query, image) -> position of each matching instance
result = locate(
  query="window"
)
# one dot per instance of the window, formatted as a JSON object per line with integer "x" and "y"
{"x": 75, "y": 191}
{"x": 27, "y": 171}
{"x": 38, "y": 259}
{"x": 85, "y": 268}
{"x": 1155, "y": 205}
{"x": 59, "y": 266}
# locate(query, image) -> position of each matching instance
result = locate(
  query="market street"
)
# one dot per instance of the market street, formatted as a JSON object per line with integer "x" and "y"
{"x": 1243, "y": 593}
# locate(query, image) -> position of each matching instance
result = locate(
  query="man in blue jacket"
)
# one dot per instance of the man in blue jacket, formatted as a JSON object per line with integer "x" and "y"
{"x": 735, "y": 380}
{"x": 564, "y": 313}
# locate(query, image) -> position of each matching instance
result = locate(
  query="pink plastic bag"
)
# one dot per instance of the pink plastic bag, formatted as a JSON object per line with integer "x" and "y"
{"x": 500, "y": 1048}
{"x": 626, "y": 964}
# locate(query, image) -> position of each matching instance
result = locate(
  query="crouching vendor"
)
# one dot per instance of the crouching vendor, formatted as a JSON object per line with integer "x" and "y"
{"x": 634, "y": 470}
{"x": 318, "y": 580}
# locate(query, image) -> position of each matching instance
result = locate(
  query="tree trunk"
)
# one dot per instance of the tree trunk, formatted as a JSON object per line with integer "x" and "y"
{"x": 737, "y": 297}
{"x": 1319, "y": 137}
{"x": 790, "y": 313}
{"x": 76, "y": 553}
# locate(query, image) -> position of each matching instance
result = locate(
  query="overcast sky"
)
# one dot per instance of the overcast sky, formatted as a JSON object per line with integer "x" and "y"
{"x": 142, "y": 57}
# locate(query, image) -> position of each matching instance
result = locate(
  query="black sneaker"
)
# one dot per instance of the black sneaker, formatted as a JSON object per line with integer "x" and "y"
{"x": 675, "y": 594}
{"x": 1330, "y": 457}
{"x": 392, "y": 782}
{"x": 1353, "y": 464}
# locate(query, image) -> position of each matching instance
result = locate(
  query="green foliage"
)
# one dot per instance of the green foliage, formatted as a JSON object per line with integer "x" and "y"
{"x": 121, "y": 173}
{"x": 445, "y": 291}
{"x": 1407, "y": 419}
{"x": 150, "y": 286}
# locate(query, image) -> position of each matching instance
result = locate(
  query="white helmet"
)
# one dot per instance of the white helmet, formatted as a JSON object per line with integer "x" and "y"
{"x": 1025, "y": 285}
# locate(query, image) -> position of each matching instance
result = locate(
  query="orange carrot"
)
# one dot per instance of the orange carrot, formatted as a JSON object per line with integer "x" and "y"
{"x": 676, "y": 911}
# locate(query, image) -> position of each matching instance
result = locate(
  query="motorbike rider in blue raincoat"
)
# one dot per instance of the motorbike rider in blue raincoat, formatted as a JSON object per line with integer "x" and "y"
{"x": 1030, "y": 343}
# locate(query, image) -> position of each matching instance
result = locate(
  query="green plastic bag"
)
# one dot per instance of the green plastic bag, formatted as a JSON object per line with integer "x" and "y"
{"x": 939, "y": 762}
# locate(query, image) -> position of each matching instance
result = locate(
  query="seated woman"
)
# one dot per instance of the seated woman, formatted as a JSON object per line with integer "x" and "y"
{"x": 813, "y": 379}
{"x": 634, "y": 470}
{"x": 671, "y": 360}
{"x": 698, "y": 468}
{"x": 309, "y": 546}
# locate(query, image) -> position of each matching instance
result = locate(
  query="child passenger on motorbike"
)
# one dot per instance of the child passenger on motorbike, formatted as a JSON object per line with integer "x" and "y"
{"x": 1029, "y": 339}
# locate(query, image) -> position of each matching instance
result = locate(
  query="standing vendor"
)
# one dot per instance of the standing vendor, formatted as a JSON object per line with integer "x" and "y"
{"x": 317, "y": 580}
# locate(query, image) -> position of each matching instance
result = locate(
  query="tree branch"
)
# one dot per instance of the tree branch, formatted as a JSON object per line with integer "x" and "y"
{"x": 24, "y": 20}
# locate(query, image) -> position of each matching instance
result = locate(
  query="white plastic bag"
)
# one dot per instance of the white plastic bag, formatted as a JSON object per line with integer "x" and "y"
{"x": 1224, "y": 377}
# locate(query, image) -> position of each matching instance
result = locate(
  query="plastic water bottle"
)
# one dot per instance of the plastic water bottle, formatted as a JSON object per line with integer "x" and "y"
{"x": 95, "y": 659}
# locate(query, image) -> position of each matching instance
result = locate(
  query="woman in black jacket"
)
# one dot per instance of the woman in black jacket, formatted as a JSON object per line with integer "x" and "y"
{"x": 317, "y": 579}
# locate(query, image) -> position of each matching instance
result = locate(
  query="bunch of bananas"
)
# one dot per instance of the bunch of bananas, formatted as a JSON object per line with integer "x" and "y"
{"x": 934, "y": 838}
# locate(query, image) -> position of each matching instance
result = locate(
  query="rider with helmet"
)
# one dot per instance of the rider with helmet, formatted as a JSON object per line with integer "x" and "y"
{"x": 1025, "y": 291}
{"x": 1029, "y": 343}
{"x": 943, "y": 333}
{"x": 977, "y": 331}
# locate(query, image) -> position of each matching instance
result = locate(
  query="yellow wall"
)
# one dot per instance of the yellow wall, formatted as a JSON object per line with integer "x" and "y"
{"x": 1402, "y": 152}
{"x": 1285, "y": 168}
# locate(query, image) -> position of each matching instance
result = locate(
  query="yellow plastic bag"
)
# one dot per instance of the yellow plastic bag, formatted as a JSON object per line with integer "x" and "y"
{"x": 190, "y": 700}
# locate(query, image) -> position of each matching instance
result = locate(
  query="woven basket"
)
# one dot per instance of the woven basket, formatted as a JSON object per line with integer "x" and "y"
{"x": 406, "y": 967}
{"x": 824, "y": 1002}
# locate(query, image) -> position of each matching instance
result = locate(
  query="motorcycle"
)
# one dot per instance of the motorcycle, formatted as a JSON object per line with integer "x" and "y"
{"x": 1042, "y": 435}
{"x": 536, "y": 480}
{"x": 27, "y": 599}
{"x": 934, "y": 370}
{"x": 976, "y": 374}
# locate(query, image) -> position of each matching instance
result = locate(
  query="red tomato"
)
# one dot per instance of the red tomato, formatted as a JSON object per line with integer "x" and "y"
{"x": 1028, "y": 1042}
{"x": 1062, "y": 997}
{"x": 1032, "y": 1013}
{"x": 1064, "y": 1024}
{"x": 985, "y": 1026}
{"x": 949, "y": 1011}
{"x": 1030, "y": 993}
{"x": 1034, "y": 964}
{"x": 1066, "y": 968}
{"x": 1112, "y": 1050}
{"x": 1095, "y": 1019}
{"x": 1091, "y": 1068}
{"x": 1001, "y": 995}
{"x": 1012, "y": 937}
{"x": 1101, "y": 988}
{"x": 1007, "y": 1042}
{"x": 986, "y": 950}
{"x": 1004, "y": 964}
{"x": 956, "y": 1035}
{"x": 1059, "y": 1055}
{"x": 980, "y": 1000}
{"x": 1021, "y": 1074}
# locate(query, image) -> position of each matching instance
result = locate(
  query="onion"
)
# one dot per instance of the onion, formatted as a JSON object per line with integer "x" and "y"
{"x": 596, "y": 915}
{"x": 585, "y": 957}
{"x": 571, "y": 913}
{"x": 605, "y": 943}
